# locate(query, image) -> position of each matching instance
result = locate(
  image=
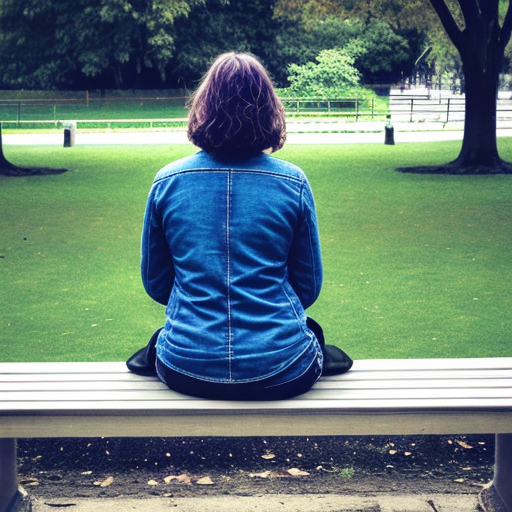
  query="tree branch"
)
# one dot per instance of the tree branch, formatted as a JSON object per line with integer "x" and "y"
{"x": 449, "y": 24}
{"x": 471, "y": 10}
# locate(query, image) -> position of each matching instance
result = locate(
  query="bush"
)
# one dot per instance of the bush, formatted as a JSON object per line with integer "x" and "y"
{"x": 332, "y": 76}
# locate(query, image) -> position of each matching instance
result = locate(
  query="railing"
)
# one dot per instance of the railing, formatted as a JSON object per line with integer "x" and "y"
{"x": 345, "y": 107}
{"x": 52, "y": 111}
{"x": 444, "y": 109}
{"x": 169, "y": 112}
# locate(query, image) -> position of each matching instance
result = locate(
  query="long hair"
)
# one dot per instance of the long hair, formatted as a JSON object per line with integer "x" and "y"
{"x": 236, "y": 110}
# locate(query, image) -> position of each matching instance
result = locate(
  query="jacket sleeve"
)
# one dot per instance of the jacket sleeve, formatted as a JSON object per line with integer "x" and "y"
{"x": 157, "y": 267}
{"x": 305, "y": 271}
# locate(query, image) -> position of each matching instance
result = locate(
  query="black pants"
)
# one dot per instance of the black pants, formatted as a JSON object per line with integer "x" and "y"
{"x": 145, "y": 362}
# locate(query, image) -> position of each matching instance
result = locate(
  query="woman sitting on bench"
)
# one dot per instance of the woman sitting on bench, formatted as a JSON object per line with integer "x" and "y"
{"x": 230, "y": 246}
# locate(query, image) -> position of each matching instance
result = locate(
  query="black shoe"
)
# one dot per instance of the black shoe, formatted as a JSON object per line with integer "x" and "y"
{"x": 336, "y": 361}
{"x": 143, "y": 362}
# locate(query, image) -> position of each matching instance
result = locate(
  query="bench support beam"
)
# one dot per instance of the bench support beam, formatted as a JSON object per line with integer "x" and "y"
{"x": 8, "y": 473}
{"x": 503, "y": 468}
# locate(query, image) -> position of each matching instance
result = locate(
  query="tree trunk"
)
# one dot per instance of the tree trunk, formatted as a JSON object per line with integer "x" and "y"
{"x": 482, "y": 62}
{"x": 9, "y": 169}
{"x": 481, "y": 45}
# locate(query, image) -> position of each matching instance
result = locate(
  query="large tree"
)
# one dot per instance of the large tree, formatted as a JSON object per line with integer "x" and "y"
{"x": 9, "y": 169}
{"x": 479, "y": 30}
{"x": 480, "y": 41}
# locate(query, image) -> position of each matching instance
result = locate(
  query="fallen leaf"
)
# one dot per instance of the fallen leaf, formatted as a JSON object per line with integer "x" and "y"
{"x": 407, "y": 454}
{"x": 205, "y": 481}
{"x": 185, "y": 479}
{"x": 459, "y": 480}
{"x": 29, "y": 481}
{"x": 297, "y": 472}
{"x": 86, "y": 473}
{"x": 108, "y": 481}
{"x": 463, "y": 444}
{"x": 268, "y": 456}
{"x": 392, "y": 452}
{"x": 152, "y": 482}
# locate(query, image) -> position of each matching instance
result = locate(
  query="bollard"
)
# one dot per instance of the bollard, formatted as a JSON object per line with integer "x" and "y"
{"x": 69, "y": 133}
{"x": 389, "y": 133}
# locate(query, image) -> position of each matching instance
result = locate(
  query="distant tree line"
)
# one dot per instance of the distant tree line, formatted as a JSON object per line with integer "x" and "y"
{"x": 137, "y": 44}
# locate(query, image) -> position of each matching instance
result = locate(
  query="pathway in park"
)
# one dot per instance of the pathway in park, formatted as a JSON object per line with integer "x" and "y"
{"x": 391, "y": 502}
{"x": 305, "y": 132}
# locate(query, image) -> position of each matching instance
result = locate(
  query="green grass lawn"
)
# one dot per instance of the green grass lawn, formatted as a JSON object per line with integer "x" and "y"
{"x": 415, "y": 265}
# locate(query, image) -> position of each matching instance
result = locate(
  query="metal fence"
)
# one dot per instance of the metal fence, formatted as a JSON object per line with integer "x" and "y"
{"x": 153, "y": 110}
{"x": 26, "y": 112}
{"x": 356, "y": 108}
{"x": 443, "y": 109}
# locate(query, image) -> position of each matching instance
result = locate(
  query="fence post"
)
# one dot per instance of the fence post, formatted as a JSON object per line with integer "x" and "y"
{"x": 373, "y": 107}
{"x": 18, "y": 113}
{"x": 447, "y": 110}
{"x": 357, "y": 109}
{"x": 412, "y": 109}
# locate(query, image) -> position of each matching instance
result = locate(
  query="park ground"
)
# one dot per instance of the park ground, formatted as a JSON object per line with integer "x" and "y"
{"x": 364, "y": 474}
{"x": 404, "y": 474}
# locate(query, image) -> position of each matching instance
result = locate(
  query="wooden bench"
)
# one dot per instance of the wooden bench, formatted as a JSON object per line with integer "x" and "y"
{"x": 393, "y": 397}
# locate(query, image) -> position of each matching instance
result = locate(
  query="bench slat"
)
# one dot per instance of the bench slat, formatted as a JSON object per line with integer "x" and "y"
{"x": 361, "y": 364}
{"x": 174, "y": 407}
{"x": 324, "y": 385}
{"x": 354, "y": 375}
{"x": 11, "y": 400}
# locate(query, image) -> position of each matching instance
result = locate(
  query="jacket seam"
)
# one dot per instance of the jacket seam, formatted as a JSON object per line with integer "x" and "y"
{"x": 276, "y": 174}
{"x": 228, "y": 277}
{"x": 310, "y": 247}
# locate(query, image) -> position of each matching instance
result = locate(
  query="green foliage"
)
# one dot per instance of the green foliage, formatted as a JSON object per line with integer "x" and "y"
{"x": 347, "y": 473}
{"x": 217, "y": 27}
{"x": 91, "y": 44}
{"x": 378, "y": 49}
{"x": 332, "y": 76}
{"x": 46, "y": 43}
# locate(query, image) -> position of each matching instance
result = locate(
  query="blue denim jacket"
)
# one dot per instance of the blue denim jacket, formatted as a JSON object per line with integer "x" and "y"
{"x": 231, "y": 247}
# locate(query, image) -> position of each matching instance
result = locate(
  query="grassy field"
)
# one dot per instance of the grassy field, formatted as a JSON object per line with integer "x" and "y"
{"x": 415, "y": 266}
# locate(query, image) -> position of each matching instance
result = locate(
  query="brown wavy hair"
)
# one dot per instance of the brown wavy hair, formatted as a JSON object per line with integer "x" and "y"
{"x": 236, "y": 109}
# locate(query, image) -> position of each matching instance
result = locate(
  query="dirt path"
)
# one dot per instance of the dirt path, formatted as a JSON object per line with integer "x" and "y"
{"x": 185, "y": 467}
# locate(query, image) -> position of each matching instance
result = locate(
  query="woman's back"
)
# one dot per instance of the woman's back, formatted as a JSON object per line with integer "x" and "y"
{"x": 245, "y": 262}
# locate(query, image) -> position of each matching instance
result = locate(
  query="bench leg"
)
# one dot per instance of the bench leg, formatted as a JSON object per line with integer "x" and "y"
{"x": 503, "y": 468}
{"x": 8, "y": 475}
